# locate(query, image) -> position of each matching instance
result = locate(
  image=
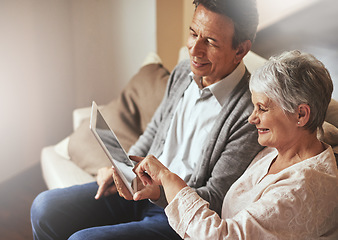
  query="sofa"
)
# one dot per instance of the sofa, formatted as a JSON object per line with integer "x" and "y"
{"x": 76, "y": 159}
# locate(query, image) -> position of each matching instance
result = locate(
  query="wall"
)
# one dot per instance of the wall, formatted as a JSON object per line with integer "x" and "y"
{"x": 57, "y": 55}
{"x": 173, "y": 21}
{"x": 310, "y": 31}
{"x": 169, "y": 16}
{"x": 111, "y": 39}
{"x": 271, "y": 11}
{"x": 174, "y": 18}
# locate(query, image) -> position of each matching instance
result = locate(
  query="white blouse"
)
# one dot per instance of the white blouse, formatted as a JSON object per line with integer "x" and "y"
{"x": 300, "y": 202}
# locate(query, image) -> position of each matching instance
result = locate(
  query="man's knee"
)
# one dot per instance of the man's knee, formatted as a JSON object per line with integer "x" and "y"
{"x": 86, "y": 234}
{"x": 42, "y": 216}
{"x": 40, "y": 207}
{"x": 77, "y": 236}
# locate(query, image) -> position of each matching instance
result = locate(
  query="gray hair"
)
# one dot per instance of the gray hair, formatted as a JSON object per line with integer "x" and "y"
{"x": 295, "y": 78}
{"x": 243, "y": 14}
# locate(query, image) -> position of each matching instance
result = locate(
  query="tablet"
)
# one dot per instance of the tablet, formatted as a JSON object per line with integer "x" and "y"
{"x": 110, "y": 145}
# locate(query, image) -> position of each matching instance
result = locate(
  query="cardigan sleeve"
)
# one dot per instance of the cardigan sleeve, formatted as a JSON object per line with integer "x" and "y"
{"x": 151, "y": 141}
{"x": 146, "y": 140}
{"x": 236, "y": 151}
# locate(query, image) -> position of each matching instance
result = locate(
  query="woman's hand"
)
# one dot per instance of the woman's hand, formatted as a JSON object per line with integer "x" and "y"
{"x": 150, "y": 170}
{"x": 152, "y": 174}
{"x": 143, "y": 192}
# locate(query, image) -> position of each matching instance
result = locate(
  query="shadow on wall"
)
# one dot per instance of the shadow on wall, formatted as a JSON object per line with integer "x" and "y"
{"x": 60, "y": 55}
{"x": 311, "y": 30}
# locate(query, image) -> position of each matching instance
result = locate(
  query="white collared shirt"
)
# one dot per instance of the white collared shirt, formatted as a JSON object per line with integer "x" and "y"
{"x": 193, "y": 120}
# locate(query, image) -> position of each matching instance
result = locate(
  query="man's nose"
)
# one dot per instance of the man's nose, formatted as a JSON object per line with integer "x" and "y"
{"x": 197, "y": 48}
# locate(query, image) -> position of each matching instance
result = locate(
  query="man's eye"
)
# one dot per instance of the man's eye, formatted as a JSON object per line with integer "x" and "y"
{"x": 211, "y": 42}
{"x": 193, "y": 34}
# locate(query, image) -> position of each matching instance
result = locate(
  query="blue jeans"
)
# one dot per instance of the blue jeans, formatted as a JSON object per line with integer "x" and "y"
{"x": 73, "y": 213}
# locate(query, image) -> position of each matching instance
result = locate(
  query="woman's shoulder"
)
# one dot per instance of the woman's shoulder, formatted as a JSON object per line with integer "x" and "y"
{"x": 322, "y": 164}
{"x": 317, "y": 175}
{"x": 266, "y": 154}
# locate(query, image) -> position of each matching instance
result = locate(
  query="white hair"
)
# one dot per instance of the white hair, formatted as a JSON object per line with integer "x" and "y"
{"x": 295, "y": 78}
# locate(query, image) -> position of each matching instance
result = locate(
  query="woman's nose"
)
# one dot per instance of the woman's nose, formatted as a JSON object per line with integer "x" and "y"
{"x": 253, "y": 118}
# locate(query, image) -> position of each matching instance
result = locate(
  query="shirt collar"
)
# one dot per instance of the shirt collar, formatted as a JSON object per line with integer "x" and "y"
{"x": 222, "y": 89}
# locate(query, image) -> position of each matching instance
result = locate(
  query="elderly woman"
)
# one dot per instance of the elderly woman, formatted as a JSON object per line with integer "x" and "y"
{"x": 290, "y": 190}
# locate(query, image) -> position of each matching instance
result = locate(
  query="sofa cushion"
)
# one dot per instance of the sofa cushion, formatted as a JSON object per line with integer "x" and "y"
{"x": 330, "y": 134}
{"x": 332, "y": 113}
{"x": 330, "y": 126}
{"x": 128, "y": 116}
{"x": 60, "y": 172}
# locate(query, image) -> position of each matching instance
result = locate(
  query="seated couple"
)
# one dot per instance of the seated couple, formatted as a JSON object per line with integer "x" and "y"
{"x": 202, "y": 134}
{"x": 290, "y": 190}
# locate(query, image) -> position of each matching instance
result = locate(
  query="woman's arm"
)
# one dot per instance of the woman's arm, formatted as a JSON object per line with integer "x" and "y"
{"x": 284, "y": 211}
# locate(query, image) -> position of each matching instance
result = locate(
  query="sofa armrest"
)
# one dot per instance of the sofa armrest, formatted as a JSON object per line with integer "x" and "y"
{"x": 81, "y": 114}
{"x": 60, "y": 172}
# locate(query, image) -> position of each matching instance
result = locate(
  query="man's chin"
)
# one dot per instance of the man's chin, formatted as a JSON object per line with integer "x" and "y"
{"x": 198, "y": 71}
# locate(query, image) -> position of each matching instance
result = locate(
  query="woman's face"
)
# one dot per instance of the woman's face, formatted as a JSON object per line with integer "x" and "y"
{"x": 275, "y": 127}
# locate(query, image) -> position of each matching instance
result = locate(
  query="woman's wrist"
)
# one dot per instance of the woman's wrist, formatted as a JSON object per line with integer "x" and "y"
{"x": 172, "y": 184}
{"x": 165, "y": 176}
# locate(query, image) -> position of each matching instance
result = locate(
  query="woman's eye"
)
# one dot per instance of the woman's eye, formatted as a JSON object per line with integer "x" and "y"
{"x": 262, "y": 109}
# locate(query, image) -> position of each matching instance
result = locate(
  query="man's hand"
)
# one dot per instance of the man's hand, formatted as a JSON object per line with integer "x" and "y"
{"x": 105, "y": 180}
{"x": 121, "y": 187}
{"x": 151, "y": 192}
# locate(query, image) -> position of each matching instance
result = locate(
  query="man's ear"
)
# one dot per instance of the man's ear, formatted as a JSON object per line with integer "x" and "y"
{"x": 304, "y": 111}
{"x": 242, "y": 49}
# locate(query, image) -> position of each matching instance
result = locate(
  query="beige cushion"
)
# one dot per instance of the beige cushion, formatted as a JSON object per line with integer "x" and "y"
{"x": 330, "y": 135}
{"x": 128, "y": 116}
{"x": 330, "y": 125}
{"x": 332, "y": 113}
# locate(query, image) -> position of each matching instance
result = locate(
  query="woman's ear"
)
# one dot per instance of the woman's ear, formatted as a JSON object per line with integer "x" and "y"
{"x": 242, "y": 49}
{"x": 303, "y": 114}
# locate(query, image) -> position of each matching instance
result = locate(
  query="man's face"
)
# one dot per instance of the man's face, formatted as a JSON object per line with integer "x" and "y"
{"x": 210, "y": 45}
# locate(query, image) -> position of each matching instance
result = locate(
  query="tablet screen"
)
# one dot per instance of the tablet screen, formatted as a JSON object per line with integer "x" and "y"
{"x": 111, "y": 142}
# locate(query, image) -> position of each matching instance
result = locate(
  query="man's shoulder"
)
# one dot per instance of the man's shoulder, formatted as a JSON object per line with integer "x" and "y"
{"x": 180, "y": 73}
{"x": 241, "y": 95}
{"x": 183, "y": 67}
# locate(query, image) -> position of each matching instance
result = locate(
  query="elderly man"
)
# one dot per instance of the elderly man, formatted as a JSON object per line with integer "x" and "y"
{"x": 200, "y": 131}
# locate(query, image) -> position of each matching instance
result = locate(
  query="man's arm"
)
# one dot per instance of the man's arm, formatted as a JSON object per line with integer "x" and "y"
{"x": 174, "y": 85}
{"x": 237, "y": 153}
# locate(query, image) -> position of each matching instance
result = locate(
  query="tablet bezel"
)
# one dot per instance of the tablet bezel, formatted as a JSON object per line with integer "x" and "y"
{"x": 92, "y": 126}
